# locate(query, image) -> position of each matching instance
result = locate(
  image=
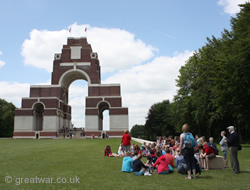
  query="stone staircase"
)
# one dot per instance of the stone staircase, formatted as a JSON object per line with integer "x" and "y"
{"x": 76, "y": 135}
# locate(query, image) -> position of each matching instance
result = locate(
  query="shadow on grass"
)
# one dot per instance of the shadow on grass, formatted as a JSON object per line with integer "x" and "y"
{"x": 204, "y": 177}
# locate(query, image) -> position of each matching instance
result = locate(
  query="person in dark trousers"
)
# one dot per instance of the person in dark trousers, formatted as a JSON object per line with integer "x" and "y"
{"x": 233, "y": 142}
{"x": 188, "y": 153}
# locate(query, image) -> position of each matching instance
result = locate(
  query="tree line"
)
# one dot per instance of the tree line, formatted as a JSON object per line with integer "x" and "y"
{"x": 213, "y": 88}
{"x": 7, "y": 112}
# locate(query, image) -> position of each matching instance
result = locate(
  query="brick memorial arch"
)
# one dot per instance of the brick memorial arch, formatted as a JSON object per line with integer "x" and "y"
{"x": 46, "y": 112}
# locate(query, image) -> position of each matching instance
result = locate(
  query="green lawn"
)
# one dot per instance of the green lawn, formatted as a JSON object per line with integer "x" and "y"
{"x": 82, "y": 162}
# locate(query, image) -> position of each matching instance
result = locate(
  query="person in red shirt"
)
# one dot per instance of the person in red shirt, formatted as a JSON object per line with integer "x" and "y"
{"x": 126, "y": 138}
{"x": 108, "y": 152}
{"x": 208, "y": 154}
{"x": 169, "y": 157}
{"x": 162, "y": 164}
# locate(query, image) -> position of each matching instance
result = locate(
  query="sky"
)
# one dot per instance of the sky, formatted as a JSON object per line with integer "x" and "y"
{"x": 141, "y": 45}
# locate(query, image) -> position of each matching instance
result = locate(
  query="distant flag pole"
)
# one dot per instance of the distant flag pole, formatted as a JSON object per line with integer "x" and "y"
{"x": 70, "y": 31}
{"x": 85, "y": 30}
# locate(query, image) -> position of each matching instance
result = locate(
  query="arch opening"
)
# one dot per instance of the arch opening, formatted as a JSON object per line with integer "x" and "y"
{"x": 78, "y": 90}
{"x": 103, "y": 115}
{"x": 72, "y": 75}
{"x": 38, "y": 111}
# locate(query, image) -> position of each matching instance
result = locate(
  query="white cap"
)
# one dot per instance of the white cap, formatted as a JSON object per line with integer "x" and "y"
{"x": 231, "y": 128}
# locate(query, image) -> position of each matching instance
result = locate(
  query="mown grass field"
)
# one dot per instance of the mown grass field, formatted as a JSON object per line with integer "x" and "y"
{"x": 80, "y": 164}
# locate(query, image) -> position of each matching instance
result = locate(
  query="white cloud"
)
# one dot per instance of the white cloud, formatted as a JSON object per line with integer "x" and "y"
{"x": 117, "y": 49}
{"x": 144, "y": 85}
{"x": 231, "y": 6}
{"x": 39, "y": 50}
{"x": 13, "y": 91}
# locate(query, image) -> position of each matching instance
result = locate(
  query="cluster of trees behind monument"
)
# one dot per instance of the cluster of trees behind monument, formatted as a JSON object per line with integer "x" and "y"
{"x": 214, "y": 88}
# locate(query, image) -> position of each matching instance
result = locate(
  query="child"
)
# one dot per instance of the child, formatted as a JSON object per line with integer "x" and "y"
{"x": 127, "y": 163}
{"x": 108, "y": 152}
{"x": 121, "y": 151}
{"x": 145, "y": 151}
{"x": 138, "y": 167}
{"x": 180, "y": 163}
{"x": 161, "y": 163}
{"x": 135, "y": 155}
{"x": 211, "y": 143}
{"x": 150, "y": 160}
{"x": 207, "y": 155}
{"x": 169, "y": 157}
{"x": 223, "y": 144}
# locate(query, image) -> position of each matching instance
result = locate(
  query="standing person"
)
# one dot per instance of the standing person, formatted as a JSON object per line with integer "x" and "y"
{"x": 223, "y": 144}
{"x": 126, "y": 138}
{"x": 233, "y": 142}
{"x": 187, "y": 152}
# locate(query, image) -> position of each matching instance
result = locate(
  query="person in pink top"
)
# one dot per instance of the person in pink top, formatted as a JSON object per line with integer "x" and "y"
{"x": 169, "y": 157}
{"x": 161, "y": 163}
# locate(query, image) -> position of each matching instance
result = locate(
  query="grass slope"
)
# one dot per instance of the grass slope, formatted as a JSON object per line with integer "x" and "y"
{"x": 83, "y": 160}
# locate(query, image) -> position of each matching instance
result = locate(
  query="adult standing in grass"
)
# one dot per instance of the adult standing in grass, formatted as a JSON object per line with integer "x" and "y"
{"x": 187, "y": 152}
{"x": 126, "y": 138}
{"x": 233, "y": 142}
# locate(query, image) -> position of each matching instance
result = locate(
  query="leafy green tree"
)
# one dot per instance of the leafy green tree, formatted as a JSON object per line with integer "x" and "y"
{"x": 137, "y": 131}
{"x": 7, "y": 111}
{"x": 158, "y": 121}
{"x": 214, "y": 84}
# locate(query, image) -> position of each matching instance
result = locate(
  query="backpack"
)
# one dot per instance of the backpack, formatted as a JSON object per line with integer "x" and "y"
{"x": 216, "y": 151}
{"x": 189, "y": 141}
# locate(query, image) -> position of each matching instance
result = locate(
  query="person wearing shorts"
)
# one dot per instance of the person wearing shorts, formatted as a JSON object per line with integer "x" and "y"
{"x": 208, "y": 154}
{"x": 224, "y": 147}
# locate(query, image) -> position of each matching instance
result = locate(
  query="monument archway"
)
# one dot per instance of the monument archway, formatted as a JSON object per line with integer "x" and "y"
{"x": 76, "y": 61}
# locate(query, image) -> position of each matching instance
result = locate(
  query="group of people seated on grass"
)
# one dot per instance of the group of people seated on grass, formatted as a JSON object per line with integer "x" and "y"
{"x": 161, "y": 155}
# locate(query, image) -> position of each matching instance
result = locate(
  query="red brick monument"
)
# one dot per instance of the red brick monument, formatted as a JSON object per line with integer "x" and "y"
{"x": 46, "y": 112}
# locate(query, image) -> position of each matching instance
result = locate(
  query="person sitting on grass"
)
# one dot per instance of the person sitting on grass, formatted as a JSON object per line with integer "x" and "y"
{"x": 136, "y": 147}
{"x": 121, "y": 150}
{"x": 150, "y": 160}
{"x": 207, "y": 155}
{"x": 138, "y": 167}
{"x": 169, "y": 157}
{"x": 161, "y": 164}
{"x": 108, "y": 152}
{"x": 145, "y": 151}
{"x": 127, "y": 163}
{"x": 180, "y": 162}
{"x": 135, "y": 155}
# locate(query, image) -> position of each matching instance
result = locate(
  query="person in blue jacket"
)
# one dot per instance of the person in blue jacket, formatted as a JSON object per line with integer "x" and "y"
{"x": 127, "y": 163}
